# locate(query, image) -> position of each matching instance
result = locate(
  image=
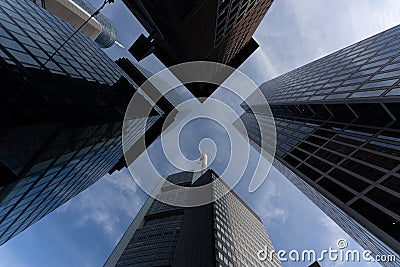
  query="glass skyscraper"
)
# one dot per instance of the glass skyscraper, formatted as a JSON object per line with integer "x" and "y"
{"x": 61, "y": 119}
{"x": 197, "y": 30}
{"x": 338, "y": 136}
{"x": 223, "y": 233}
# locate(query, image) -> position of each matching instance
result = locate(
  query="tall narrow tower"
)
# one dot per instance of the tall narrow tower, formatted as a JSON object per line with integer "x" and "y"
{"x": 203, "y": 159}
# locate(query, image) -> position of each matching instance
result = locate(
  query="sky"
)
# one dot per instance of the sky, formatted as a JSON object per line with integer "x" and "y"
{"x": 84, "y": 231}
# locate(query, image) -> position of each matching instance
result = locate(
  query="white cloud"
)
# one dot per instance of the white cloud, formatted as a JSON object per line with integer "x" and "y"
{"x": 259, "y": 67}
{"x": 295, "y": 33}
{"x": 10, "y": 259}
{"x": 106, "y": 202}
{"x": 267, "y": 206}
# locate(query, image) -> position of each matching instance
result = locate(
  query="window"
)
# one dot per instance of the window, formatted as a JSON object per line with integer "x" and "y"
{"x": 392, "y": 66}
{"x": 337, "y": 96}
{"x": 331, "y": 157}
{"x": 357, "y": 80}
{"x": 349, "y": 180}
{"x": 362, "y": 170}
{"x": 318, "y": 164}
{"x": 394, "y": 92}
{"x": 336, "y": 190}
{"x": 365, "y": 72}
{"x": 387, "y": 148}
{"x": 393, "y": 183}
{"x": 371, "y": 93}
{"x": 385, "y": 199}
{"x": 377, "y": 63}
{"x": 346, "y": 88}
{"x": 292, "y": 161}
{"x": 387, "y": 75}
{"x": 377, "y": 217}
{"x": 310, "y": 173}
{"x": 375, "y": 159}
{"x": 386, "y": 83}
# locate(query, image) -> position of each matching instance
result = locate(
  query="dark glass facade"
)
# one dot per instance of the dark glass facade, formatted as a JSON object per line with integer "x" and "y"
{"x": 338, "y": 129}
{"x": 190, "y": 30}
{"x": 223, "y": 233}
{"x": 197, "y": 30}
{"x": 61, "y": 122}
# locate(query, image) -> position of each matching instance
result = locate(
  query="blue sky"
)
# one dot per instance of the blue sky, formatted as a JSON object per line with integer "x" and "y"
{"x": 84, "y": 231}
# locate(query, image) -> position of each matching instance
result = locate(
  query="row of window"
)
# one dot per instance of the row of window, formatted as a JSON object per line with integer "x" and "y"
{"x": 351, "y": 227}
{"x": 35, "y": 34}
{"x": 239, "y": 234}
{"x": 339, "y": 71}
{"x": 39, "y": 197}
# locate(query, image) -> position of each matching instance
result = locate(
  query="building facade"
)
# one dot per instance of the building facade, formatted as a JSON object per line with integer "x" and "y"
{"x": 61, "y": 118}
{"x": 338, "y": 133}
{"x": 76, "y": 13}
{"x": 223, "y": 233}
{"x": 198, "y": 30}
{"x": 108, "y": 34}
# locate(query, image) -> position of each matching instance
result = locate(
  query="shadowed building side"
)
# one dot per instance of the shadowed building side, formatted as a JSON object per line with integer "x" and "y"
{"x": 198, "y": 30}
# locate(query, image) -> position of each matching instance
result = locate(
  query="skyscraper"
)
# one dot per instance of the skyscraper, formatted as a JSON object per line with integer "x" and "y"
{"x": 76, "y": 13}
{"x": 61, "y": 119}
{"x": 338, "y": 136}
{"x": 198, "y": 30}
{"x": 223, "y": 233}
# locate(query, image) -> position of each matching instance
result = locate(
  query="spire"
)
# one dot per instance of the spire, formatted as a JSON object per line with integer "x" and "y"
{"x": 203, "y": 159}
